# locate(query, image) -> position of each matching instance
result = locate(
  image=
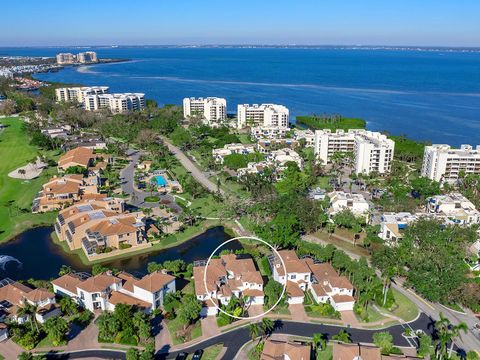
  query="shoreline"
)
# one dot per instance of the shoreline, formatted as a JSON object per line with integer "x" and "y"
{"x": 201, "y": 229}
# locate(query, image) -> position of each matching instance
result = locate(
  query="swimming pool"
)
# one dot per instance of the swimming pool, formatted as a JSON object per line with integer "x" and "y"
{"x": 160, "y": 180}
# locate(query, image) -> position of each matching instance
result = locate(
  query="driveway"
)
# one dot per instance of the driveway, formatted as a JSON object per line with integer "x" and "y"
{"x": 298, "y": 312}
{"x": 137, "y": 197}
{"x": 209, "y": 326}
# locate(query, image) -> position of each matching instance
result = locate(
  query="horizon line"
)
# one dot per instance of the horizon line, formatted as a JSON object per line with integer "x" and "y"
{"x": 113, "y": 45}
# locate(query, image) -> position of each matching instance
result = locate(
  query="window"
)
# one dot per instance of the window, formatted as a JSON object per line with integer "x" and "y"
{"x": 293, "y": 276}
{"x": 82, "y": 295}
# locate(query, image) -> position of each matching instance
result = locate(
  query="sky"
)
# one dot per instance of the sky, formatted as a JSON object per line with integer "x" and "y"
{"x": 202, "y": 22}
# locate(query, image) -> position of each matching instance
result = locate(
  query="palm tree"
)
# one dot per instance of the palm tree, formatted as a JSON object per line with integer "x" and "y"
{"x": 67, "y": 305}
{"x": 29, "y": 311}
{"x": 267, "y": 326}
{"x": 318, "y": 341}
{"x": 456, "y": 333}
{"x": 342, "y": 336}
{"x": 446, "y": 332}
{"x": 253, "y": 329}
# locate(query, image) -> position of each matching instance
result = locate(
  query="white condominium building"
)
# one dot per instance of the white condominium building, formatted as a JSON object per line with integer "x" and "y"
{"x": 78, "y": 94}
{"x": 66, "y": 58}
{"x": 267, "y": 115}
{"x": 87, "y": 57}
{"x": 117, "y": 103}
{"x": 444, "y": 164}
{"x": 80, "y": 58}
{"x": 212, "y": 110}
{"x": 308, "y": 135}
{"x": 372, "y": 151}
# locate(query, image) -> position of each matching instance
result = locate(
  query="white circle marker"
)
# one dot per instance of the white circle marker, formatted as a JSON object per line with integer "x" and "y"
{"x": 248, "y": 317}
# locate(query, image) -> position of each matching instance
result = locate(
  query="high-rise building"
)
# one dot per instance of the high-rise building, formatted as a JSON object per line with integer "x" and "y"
{"x": 212, "y": 110}
{"x": 87, "y": 57}
{"x": 66, "y": 58}
{"x": 444, "y": 164}
{"x": 372, "y": 151}
{"x": 266, "y": 115}
{"x": 78, "y": 94}
{"x": 117, "y": 103}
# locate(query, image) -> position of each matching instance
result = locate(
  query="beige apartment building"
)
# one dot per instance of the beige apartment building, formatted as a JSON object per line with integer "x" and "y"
{"x": 116, "y": 103}
{"x": 212, "y": 110}
{"x": 78, "y": 94}
{"x": 264, "y": 115}
{"x": 372, "y": 151}
{"x": 94, "y": 224}
{"x": 63, "y": 191}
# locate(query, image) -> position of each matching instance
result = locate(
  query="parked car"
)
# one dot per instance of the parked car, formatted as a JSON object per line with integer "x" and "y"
{"x": 197, "y": 355}
{"x": 182, "y": 356}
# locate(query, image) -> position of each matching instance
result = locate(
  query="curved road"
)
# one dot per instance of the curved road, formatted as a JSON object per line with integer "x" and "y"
{"x": 233, "y": 340}
{"x": 127, "y": 177}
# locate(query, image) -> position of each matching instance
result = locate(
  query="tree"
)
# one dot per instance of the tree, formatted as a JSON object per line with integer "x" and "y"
{"x": 132, "y": 354}
{"x": 267, "y": 326}
{"x": 446, "y": 333}
{"x": 56, "y": 329}
{"x": 254, "y": 330}
{"x": 342, "y": 336}
{"x": 273, "y": 291}
{"x": 189, "y": 311}
{"x": 64, "y": 270}
{"x": 472, "y": 355}
{"x": 108, "y": 327}
{"x": 25, "y": 356}
{"x": 425, "y": 344}
{"x": 99, "y": 269}
{"x": 68, "y": 306}
{"x": 319, "y": 342}
{"x": 384, "y": 340}
{"x": 142, "y": 325}
{"x": 29, "y": 311}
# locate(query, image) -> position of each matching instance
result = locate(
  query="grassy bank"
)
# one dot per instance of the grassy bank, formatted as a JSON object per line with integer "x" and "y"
{"x": 16, "y": 195}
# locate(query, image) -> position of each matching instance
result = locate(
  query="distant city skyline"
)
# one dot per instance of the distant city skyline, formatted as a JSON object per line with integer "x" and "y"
{"x": 201, "y": 22}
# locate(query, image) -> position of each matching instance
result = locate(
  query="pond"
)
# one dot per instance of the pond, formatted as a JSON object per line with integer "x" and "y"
{"x": 33, "y": 254}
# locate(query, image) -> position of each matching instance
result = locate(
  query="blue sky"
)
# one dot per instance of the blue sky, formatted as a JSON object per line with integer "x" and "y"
{"x": 317, "y": 22}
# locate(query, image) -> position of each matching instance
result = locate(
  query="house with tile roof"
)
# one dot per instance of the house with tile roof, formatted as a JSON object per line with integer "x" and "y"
{"x": 343, "y": 351}
{"x": 81, "y": 156}
{"x": 281, "y": 350}
{"x": 14, "y": 296}
{"x": 392, "y": 226}
{"x": 226, "y": 277}
{"x": 63, "y": 191}
{"x": 98, "y": 224}
{"x": 320, "y": 279}
{"x": 297, "y": 277}
{"x": 105, "y": 291}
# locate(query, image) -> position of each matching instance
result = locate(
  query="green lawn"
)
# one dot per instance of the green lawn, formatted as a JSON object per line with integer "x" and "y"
{"x": 326, "y": 354}
{"x": 405, "y": 309}
{"x": 210, "y": 353}
{"x": 174, "y": 326}
{"x": 16, "y": 195}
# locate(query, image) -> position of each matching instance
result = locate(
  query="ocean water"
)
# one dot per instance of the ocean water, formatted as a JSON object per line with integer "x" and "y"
{"x": 426, "y": 95}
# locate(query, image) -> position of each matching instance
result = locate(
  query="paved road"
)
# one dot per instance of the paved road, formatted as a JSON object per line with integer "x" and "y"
{"x": 467, "y": 341}
{"x": 235, "y": 339}
{"x": 127, "y": 176}
{"x": 192, "y": 168}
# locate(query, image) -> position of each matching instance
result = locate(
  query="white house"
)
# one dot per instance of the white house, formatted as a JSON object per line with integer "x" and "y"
{"x": 356, "y": 203}
{"x": 268, "y": 132}
{"x": 229, "y": 149}
{"x": 392, "y": 226}
{"x": 104, "y": 291}
{"x": 453, "y": 208}
{"x": 226, "y": 277}
{"x": 297, "y": 276}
